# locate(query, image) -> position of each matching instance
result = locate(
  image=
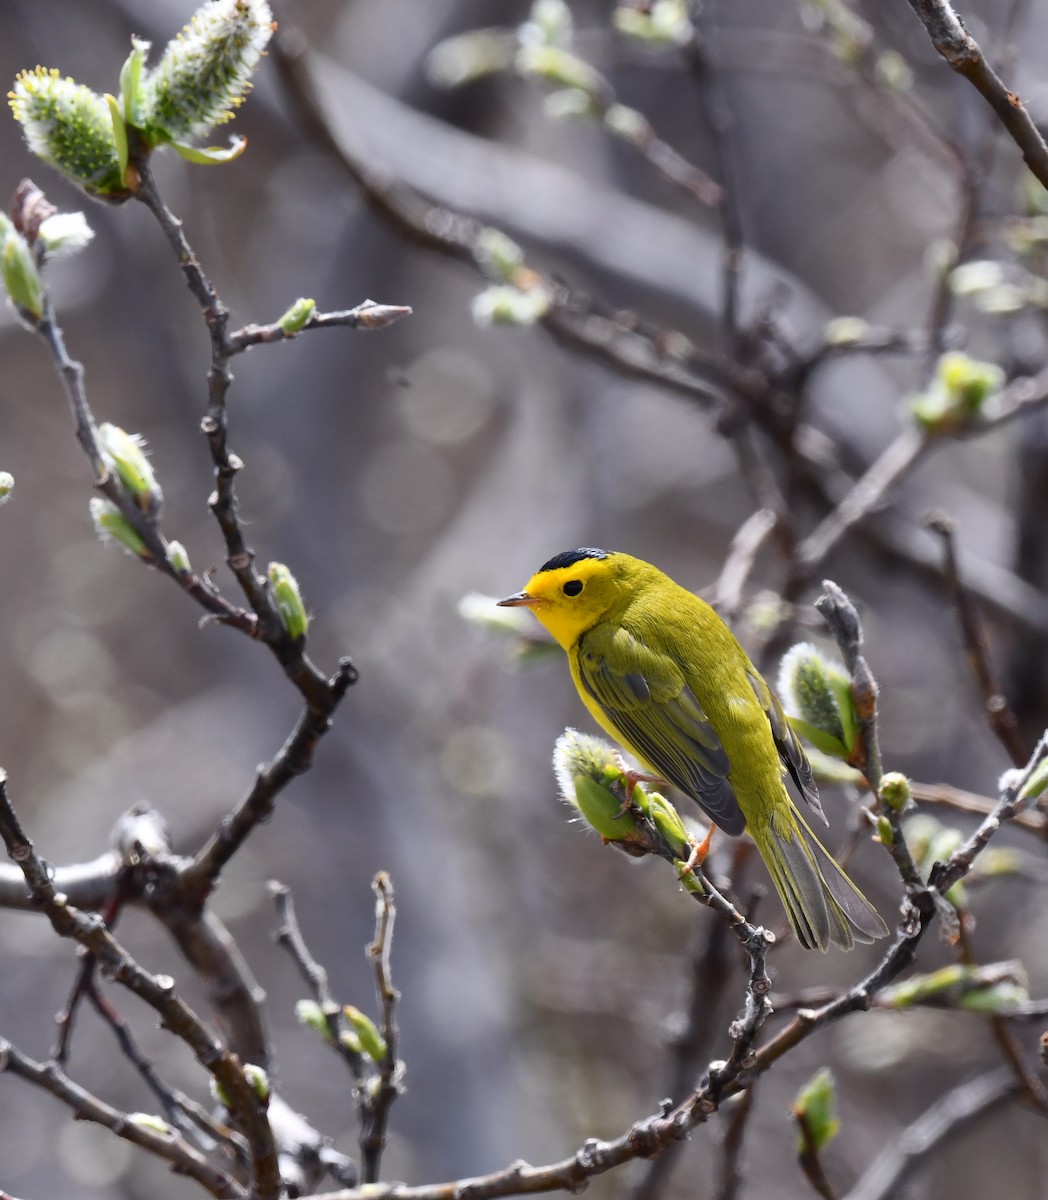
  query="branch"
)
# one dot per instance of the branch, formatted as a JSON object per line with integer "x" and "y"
{"x": 964, "y": 56}
{"x": 289, "y": 935}
{"x": 1001, "y": 718}
{"x": 949, "y": 1115}
{"x": 136, "y": 1127}
{"x": 378, "y": 1100}
{"x": 157, "y": 991}
{"x": 295, "y": 757}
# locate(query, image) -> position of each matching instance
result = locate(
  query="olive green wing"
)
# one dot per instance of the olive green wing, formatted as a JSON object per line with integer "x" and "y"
{"x": 644, "y": 696}
{"x": 791, "y": 752}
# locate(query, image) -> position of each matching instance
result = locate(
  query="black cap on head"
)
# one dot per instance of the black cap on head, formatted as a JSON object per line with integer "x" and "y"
{"x": 569, "y": 557}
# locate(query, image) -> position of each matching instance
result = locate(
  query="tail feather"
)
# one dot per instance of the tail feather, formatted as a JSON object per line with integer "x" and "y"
{"x": 822, "y": 903}
{"x": 865, "y": 920}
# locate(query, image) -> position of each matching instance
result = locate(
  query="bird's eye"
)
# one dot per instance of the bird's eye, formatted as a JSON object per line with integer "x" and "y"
{"x": 573, "y": 587}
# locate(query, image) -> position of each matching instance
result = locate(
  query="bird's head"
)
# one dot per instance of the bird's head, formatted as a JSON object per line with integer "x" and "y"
{"x": 575, "y": 590}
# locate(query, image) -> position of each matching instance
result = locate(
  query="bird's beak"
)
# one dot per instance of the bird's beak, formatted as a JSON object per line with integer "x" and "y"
{"x": 519, "y": 600}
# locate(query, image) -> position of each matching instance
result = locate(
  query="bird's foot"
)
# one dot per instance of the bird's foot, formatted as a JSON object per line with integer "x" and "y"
{"x": 632, "y": 778}
{"x": 699, "y": 850}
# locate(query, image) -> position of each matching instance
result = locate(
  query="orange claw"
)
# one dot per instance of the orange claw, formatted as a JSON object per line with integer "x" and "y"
{"x": 699, "y": 850}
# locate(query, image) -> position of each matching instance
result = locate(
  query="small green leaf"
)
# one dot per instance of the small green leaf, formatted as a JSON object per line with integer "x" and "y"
{"x": 815, "y": 1105}
{"x": 210, "y": 156}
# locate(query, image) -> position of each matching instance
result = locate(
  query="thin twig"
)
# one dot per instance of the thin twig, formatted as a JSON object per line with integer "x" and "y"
{"x": 963, "y": 54}
{"x": 366, "y": 315}
{"x": 1010, "y": 1047}
{"x": 1001, "y": 718}
{"x": 948, "y": 1116}
{"x": 289, "y": 935}
{"x": 843, "y": 621}
{"x": 379, "y": 1099}
{"x": 290, "y": 652}
{"x": 295, "y": 757}
{"x": 157, "y": 991}
{"x": 731, "y": 1147}
{"x": 866, "y": 495}
{"x": 974, "y": 805}
{"x": 180, "y": 1110}
{"x": 810, "y": 1160}
{"x": 137, "y": 1128}
{"x": 742, "y": 556}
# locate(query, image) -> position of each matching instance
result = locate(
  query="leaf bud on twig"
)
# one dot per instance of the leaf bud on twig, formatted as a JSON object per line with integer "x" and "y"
{"x": 125, "y": 455}
{"x": 112, "y": 526}
{"x": 288, "y": 600}
{"x": 818, "y": 700}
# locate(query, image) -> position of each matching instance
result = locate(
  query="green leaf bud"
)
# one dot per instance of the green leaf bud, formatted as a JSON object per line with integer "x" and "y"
{"x": 373, "y": 1043}
{"x": 133, "y": 105}
{"x": 627, "y": 123}
{"x": 817, "y": 697}
{"x": 816, "y": 1106}
{"x": 498, "y": 253}
{"x": 177, "y": 557}
{"x": 205, "y": 72}
{"x": 845, "y": 331}
{"x": 549, "y": 24}
{"x": 967, "y": 379}
{"x": 296, "y": 316}
{"x": 893, "y": 72}
{"x": 64, "y": 233}
{"x": 112, "y": 526}
{"x": 258, "y": 1079}
{"x": 568, "y": 103}
{"x": 978, "y": 275}
{"x": 665, "y": 818}
{"x": 561, "y": 67}
{"x": 586, "y": 768}
{"x": 894, "y": 790}
{"x": 348, "y": 1040}
{"x": 885, "y": 833}
{"x": 310, "y": 1014}
{"x": 22, "y": 278}
{"x": 70, "y": 127}
{"x": 7, "y": 486}
{"x": 210, "y": 156}
{"x": 125, "y": 455}
{"x": 288, "y": 600}
{"x": 151, "y": 1122}
{"x": 469, "y": 56}
{"x": 957, "y": 393}
{"x": 664, "y": 21}
{"x": 998, "y": 1000}
{"x": 1036, "y": 784}
{"x": 920, "y": 989}
{"x": 506, "y": 305}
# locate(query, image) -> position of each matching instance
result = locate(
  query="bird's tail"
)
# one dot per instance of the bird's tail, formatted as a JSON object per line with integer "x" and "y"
{"x": 822, "y": 903}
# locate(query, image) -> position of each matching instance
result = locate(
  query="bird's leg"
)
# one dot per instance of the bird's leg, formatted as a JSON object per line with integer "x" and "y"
{"x": 699, "y": 850}
{"x": 632, "y": 778}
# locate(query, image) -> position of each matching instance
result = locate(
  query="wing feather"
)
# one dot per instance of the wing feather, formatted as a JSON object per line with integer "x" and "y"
{"x": 791, "y": 752}
{"x": 645, "y": 698}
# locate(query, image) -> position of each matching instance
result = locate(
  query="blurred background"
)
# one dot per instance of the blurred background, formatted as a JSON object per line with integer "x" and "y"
{"x": 543, "y": 975}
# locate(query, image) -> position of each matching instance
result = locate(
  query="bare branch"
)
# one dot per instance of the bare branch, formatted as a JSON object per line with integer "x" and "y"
{"x": 999, "y": 715}
{"x": 948, "y": 1116}
{"x": 137, "y": 1128}
{"x": 963, "y": 54}
{"x": 157, "y": 991}
{"x": 379, "y": 1100}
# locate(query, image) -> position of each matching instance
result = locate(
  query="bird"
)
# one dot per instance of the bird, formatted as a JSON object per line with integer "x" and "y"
{"x": 664, "y": 676}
